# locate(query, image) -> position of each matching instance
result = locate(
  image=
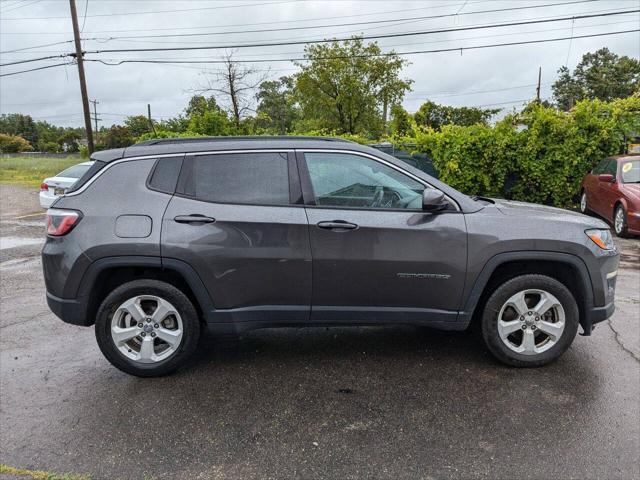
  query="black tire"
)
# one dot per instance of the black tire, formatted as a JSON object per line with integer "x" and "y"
{"x": 186, "y": 310}
{"x": 505, "y": 291}
{"x": 620, "y": 232}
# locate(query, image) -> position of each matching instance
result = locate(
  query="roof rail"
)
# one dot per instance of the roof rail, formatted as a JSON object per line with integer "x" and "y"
{"x": 179, "y": 140}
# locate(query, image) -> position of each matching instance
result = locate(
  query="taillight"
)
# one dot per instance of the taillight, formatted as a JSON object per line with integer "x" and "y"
{"x": 44, "y": 187}
{"x": 60, "y": 222}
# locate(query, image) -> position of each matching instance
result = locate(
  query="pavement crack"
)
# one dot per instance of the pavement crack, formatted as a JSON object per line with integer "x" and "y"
{"x": 616, "y": 336}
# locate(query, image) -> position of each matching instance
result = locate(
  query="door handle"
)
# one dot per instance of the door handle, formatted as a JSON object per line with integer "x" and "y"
{"x": 337, "y": 225}
{"x": 193, "y": 219}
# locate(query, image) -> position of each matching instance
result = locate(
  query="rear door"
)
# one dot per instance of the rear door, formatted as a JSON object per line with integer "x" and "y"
{"x": 237, "y": 218}
{"x": 376, "y": 255}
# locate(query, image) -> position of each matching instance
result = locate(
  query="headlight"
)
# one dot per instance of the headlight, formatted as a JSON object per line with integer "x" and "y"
{"x": 602, "y": 238}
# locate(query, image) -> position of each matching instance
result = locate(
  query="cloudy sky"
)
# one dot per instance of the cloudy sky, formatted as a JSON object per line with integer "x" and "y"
{"x": 503, "y": 76}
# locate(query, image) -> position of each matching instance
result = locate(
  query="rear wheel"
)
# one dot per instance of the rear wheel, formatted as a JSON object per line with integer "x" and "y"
{"x": 147, "y": 328}
{"x": 530, "y": 321}
{"x": 620, "y": 221}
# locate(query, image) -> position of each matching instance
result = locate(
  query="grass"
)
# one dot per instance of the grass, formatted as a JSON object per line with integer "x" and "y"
{"x": 38, "y": 474}
{"x": 30, "y": 171}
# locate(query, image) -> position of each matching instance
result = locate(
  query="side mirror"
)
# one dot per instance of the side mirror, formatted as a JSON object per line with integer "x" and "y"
{"x": 605, "y": 177}
{"x": 433, "y": 200}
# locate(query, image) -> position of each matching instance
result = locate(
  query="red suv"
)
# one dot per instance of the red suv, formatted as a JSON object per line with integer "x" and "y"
{"x": 612, "y": 190}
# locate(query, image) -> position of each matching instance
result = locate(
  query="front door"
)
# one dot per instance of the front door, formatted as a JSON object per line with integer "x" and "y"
{"x": 376, "y": 255}
{"x": 238, "y": 220}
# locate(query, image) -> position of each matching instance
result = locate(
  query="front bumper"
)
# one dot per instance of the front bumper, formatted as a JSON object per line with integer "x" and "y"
{"x": 596, "y": 315}
{"x": 633, "y": 222}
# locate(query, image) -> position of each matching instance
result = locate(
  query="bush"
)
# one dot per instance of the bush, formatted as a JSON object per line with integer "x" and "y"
{"x": 13, "y": 144}
{"x": 539, "y": 155}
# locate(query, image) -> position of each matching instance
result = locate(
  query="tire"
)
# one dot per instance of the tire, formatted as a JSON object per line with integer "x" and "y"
{"x": 136, "y": 303}
{"x": 584, "y": 206}
{"x": 620, "y": 221}
{"x": 562, "y": 320}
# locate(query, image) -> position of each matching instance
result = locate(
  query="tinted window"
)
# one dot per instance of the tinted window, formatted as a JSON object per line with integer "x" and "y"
{"x": 600, "y": 168}
{"x": 611, "y": 168}
{"x": 345, "y": 180}
{"x": 165, "y": 174}
{"x": 253, "y": 178}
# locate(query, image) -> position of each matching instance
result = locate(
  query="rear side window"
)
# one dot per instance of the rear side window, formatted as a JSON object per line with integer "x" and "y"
{"x": 165, "y": 174}
{"x": 93, "y": 169}
{"x": 243, "y": 178}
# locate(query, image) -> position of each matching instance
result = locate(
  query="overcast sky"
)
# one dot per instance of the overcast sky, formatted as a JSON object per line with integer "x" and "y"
{"x": 502, "y": 76}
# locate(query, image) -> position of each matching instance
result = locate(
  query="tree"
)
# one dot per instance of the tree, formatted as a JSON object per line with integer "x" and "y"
{"x": 117, "y": 137}
{"x": 235, "y": 83}
{"x": 401, "y": 121}
{"x": 601, "y": 75}
{"x": 21, "y": 125}
{"x": 277, "y": 110}
{"x": 347, "y": 86}
{"x": 13, "y": 144}
{"x": 431, "y": 114}
{"x": 138, "y": 125}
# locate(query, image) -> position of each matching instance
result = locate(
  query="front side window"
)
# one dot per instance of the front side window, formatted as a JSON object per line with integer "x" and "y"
{"x": 611, "y": 168}
{"x": 243, "y": 178}
{"x": 600, "y": 168}
{"x": 353, "y": 181}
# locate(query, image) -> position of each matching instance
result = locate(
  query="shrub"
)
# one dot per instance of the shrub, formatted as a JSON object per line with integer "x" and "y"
{"x": 13, "y": 144}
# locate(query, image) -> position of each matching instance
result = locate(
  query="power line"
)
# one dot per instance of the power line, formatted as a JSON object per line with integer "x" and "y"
{"x": 39, "y": 59}
{"x": 370, "y": 22}
{"x": 363, "y": 37}
{"x": 244, "y": 5}
{"x": 34, "y": 69}
{"x": 415, "y": 52}
{"x": 21, "y": 6}
{"x": 38, "y": 46}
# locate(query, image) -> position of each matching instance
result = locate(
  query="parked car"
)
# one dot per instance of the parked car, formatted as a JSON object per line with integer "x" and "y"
{"x": 51, "y": 188}
{"x": 612, "y": 191}
{"x": 163, "y": 239}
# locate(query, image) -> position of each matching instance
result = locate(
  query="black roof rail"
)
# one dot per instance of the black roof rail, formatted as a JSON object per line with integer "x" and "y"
{"x": 180, "y": 140}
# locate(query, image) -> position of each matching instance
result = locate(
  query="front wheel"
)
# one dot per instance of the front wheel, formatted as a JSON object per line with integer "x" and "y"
{"x": 620, "y": 221}
{"x": 147, "y": 328}
{"x": 530, "y": 321}
{"x": 584, "y": 207}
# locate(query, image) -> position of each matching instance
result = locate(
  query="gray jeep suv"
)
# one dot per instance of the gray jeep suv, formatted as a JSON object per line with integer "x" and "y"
{"x": 161, "y": 240}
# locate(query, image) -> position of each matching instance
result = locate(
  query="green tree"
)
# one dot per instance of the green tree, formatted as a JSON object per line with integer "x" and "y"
{"x": 433, "y": 115}
{"x": 211, "y": 122}
{"x": 117, "y": 137}
{"x": 13, "y": 144}
{"x": 277, "y": 110}
{"x": 347, "y": 87}
{"x": 21, "y": 125}
{"x": 401, "y": 121}
{"x": 199, "y": 104}
{"x": 138, "y": 125}
{"x": 601, "y": 75}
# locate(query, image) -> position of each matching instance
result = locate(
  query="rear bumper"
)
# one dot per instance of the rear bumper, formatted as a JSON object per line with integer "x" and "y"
{"x": 73, "y": 311}
{"x": 633, "y": 222}
{"x": 46, "y": 199}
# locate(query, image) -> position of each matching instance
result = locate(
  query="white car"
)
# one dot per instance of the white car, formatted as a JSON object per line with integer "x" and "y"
{"x": 53, "y": 187}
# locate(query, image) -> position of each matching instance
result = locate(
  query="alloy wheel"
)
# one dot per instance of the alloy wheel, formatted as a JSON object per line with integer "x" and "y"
{"x": 618, "y": 221}
{"x": 583, "y": 202}
{"x": 146, "y": 329}
{"x": 531, "y": 322}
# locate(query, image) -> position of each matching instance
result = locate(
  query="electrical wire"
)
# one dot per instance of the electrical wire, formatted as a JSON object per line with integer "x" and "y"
{"x": 33, "y": 69}
{"x": 363, "y": 37}
{"x": 415, "y": 52}
{"x": 39, "y": 59}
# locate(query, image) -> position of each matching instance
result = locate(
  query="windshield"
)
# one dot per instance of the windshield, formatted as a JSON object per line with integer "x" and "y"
{"x": 74, "y": 172}
{"x": 630, "y": 171}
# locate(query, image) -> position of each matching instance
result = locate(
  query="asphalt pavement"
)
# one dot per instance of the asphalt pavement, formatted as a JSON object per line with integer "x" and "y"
{"x": 337, "y": 403}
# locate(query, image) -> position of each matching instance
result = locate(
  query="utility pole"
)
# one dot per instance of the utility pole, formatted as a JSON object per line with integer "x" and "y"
{"x": 95, "y": 116}
{"x": 538, "y": 88}
{"x": 151, "y": 121}
{"x": 83, "y": 82}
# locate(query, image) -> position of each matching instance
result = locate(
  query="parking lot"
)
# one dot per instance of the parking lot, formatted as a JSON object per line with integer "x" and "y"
{"x": 392, "y": 402}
